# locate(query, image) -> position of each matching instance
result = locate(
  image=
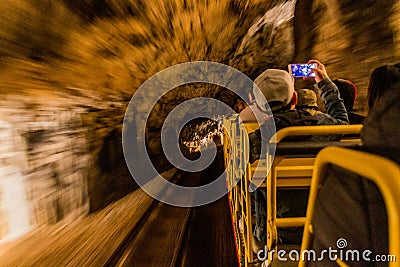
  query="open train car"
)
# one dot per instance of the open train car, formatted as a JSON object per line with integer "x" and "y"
{"x": 293, "y": 167}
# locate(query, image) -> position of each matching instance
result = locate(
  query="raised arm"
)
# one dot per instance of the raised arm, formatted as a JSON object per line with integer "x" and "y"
{"x": 329, "y": 94}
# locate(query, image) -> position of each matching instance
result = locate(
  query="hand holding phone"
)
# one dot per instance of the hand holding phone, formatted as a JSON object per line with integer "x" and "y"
{"x": 319, "y": 70}
{"x": 302, "y": 70}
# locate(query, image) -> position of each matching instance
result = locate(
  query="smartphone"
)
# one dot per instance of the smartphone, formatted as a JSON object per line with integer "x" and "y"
{"x": 301, "y": 70}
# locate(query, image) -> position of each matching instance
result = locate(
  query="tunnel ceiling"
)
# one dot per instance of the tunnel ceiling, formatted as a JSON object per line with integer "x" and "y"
{"x": 114, "y": 46}
{"x": 109, "y": 48}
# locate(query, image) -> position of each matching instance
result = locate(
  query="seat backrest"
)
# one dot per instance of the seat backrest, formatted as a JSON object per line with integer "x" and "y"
{"x": 244, "y": 178}
{"x": 354, "y": 208}
{"x": 315, "y": 130}
{"x": 292, "y": 166}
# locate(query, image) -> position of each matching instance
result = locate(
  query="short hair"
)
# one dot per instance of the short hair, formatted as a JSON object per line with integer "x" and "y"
{"x": 381, "y": 79}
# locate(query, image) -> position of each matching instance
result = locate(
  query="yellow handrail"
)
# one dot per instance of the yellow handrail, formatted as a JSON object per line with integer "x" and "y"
{"x": 315, "y": 130}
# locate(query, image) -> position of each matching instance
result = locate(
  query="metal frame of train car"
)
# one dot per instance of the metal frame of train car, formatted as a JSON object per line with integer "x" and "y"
{"x": 238, "y": 173}
{"x": 292, "y": 166}
{"x": 295, "y": 171}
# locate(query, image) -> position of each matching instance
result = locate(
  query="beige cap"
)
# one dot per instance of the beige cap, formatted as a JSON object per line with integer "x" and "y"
{"x": 276, "y": 87}
{"x": 306, "y": 99}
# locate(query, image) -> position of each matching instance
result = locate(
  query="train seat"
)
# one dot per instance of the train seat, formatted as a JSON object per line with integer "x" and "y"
{"x": 292, "y": 165}
{"x": 353, "y": 208}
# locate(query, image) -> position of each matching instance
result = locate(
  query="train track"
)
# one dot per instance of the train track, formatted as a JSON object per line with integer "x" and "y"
{"x": 157, "y": 238}
{"x": 175, "y": 236}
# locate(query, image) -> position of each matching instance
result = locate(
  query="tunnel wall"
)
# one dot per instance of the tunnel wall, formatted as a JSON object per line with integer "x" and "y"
{"x": 62, "y": 102}
{"x": 67, "y": 153}
{"x": 350, "y": 37}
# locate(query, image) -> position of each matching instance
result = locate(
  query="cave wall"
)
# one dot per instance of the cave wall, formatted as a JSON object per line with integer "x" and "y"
{"x": 63, "y": 97}
{"x": 268, "y": 43}
{"x": 67, "y": 154}
{"x": 69, "y": 68}
{"x": 350, "y": 37}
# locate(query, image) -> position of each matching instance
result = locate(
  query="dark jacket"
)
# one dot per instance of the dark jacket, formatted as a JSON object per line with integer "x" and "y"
{"x": 336, "y": 113}
{"x": 381, "y": 131}
{"x": 360, "y": 216}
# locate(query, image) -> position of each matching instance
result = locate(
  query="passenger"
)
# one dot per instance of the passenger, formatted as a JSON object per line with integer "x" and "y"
{"x": 381, "y": 79}
{"x": 348, "y": 92}
{"x": 380, "y": 133}
{"x": 282, "y": 100}
{"x": 360, "y": 216}
{"x": 281, "y": 86}
{"x": 277, "y": 86}
{"x": 307, "y": 100}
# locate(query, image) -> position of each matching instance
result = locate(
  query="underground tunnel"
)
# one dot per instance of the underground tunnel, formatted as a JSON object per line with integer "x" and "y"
{"x": 69, "y": 70}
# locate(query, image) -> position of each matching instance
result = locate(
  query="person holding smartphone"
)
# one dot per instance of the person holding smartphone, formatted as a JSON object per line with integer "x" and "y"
{"x": 277, "y": 87}
{"x": 281, "y": 98}
{"x": 336, "y": 113}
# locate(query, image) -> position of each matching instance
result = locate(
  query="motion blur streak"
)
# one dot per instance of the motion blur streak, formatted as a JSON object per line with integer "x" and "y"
{"x": 68, "y": 69}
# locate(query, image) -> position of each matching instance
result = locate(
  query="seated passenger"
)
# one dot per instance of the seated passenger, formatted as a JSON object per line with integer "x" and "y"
{"x": 277, "y": 86}
{"x": 382, "y": 78}
{"x": 282, "y": 100}
{"x": 348, "y": 92}
{"x": 361, "y": 206}
{"x": 380, "y": 133}
{"x": 307, "y": 100}
{"x": 281, "y": 85}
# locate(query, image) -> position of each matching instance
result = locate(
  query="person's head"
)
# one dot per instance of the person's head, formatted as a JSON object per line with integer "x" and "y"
{"x": 381, "y": 79}
{"x": 306, "y": 99}
{"x": 348, "y": 92}
{"x": 277, "y": 87}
